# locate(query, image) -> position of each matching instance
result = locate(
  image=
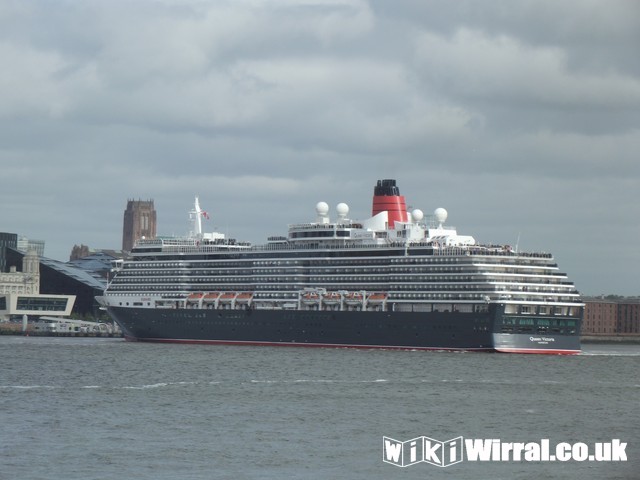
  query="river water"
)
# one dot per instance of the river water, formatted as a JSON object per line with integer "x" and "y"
{"x": 92, "y": 408}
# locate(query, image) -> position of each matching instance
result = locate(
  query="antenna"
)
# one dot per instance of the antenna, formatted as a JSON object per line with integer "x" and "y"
{"x": 518, "y": 242}
{"x": 196, "y": 215}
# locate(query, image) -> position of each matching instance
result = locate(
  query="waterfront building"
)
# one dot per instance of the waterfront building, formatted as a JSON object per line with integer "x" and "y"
{"x": 7, "y": 240}
{"x": 139, "y": 222}
{"x": 599, "y": 318}
{"x": 628, "y": 320}
{"x": 26, "y": 281}
{"x": 20, "y": 289}
{"x": 60, "y": 278}
{"x": 65, "y": 278}
{"x": 611, "y": 316}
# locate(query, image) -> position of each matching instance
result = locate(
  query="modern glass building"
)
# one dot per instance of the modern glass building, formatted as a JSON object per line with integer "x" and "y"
{"x": 7, "y": 240}
{"x": 59, "y": 278}
{"x": 17, "y": 304}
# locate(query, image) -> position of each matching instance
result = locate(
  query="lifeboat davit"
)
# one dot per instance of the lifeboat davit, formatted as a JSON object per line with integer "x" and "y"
{"x": 211, "y": 296}
{"x": 195, "y": 297}
{"x": 228, "y": 297}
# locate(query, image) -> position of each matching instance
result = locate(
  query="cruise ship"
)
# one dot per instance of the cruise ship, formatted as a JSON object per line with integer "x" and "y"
{"x": 395, "y": 280}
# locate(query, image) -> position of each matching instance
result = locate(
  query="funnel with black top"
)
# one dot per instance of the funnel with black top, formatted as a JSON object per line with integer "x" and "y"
{"x": 387, "y": 198}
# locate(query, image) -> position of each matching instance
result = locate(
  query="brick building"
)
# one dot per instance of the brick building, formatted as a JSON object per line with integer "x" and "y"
{"x": 611, "y": 316}
{"x": 629, "y": 317}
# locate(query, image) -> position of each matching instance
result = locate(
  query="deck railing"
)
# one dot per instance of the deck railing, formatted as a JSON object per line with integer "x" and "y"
{"x": 481, "y": 250}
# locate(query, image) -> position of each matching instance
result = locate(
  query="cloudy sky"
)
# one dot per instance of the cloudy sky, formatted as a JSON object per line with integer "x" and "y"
{"x": 521, "y": 118}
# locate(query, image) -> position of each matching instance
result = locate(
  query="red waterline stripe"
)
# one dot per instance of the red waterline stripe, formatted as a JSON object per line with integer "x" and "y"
{"x": 538, "y": 351}
{"x": 294, "y": 344}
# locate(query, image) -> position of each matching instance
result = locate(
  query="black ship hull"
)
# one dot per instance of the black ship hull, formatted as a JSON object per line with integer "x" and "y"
{"x": 472, "y": 331}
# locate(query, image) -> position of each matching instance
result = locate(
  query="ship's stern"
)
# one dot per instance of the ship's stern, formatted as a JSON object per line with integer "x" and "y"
{"x": 537, "y": 329}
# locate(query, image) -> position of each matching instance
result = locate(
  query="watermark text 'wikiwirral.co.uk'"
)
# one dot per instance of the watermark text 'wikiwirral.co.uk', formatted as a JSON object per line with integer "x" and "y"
{"x": 444, "y": 454}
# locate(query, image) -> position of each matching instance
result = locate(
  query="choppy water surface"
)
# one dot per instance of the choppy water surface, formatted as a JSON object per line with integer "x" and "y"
{"x": 81, "y": 408}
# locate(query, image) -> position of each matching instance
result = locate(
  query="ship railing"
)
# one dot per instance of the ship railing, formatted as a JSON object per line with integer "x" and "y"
{"x": 341, "y": 244}
{"x": 486, "y": 250}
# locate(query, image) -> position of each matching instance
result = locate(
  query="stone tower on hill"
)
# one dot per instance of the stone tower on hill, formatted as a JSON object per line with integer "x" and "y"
{"x": 139, "y": 221}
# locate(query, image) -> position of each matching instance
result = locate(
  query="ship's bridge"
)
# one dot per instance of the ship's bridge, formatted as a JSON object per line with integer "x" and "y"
{"x": 315, "y": 231}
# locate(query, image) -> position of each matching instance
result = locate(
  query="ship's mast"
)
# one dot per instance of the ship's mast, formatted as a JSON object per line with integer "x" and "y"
{"x": 196, "y": 216}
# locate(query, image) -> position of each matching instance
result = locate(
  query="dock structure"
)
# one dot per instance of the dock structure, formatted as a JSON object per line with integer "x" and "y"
{"x": 60, "y": 327}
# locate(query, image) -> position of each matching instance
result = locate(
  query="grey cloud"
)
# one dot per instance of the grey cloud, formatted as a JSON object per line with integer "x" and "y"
{"x": 513, "y": 116}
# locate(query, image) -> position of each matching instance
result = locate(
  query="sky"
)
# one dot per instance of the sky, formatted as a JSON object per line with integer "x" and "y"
{"x": 521, "y": 118}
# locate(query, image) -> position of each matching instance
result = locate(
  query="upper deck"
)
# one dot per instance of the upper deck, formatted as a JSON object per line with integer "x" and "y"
{"x": 414, "y": 259}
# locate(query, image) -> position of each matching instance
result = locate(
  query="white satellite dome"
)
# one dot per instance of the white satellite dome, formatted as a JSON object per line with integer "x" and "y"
{"x": 322, "y": 208}
{"x": 417, "y": 215}
{"x": 441, "y": 215}
{"x": 342, "y": 209}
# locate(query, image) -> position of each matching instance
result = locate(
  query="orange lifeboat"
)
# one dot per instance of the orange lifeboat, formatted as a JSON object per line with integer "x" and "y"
{"x": 227, "y": 297}
{"x": 353, "y": 298}
{"x": 211, "y": 296}
{"x": 376, "y": 298}
{"x": 244, "y": 297}
{"x": 195, "y": 297}
{"x": 310, "y": 298}
{"x": 331, "y": 298}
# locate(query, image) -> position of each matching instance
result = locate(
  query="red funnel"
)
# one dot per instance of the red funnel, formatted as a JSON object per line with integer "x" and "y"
{"x": 387, "y": 198}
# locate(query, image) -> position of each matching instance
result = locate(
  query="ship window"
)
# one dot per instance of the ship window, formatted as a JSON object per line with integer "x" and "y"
{"x": 510, "y": 308}
{"x": 525, "y": 321}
